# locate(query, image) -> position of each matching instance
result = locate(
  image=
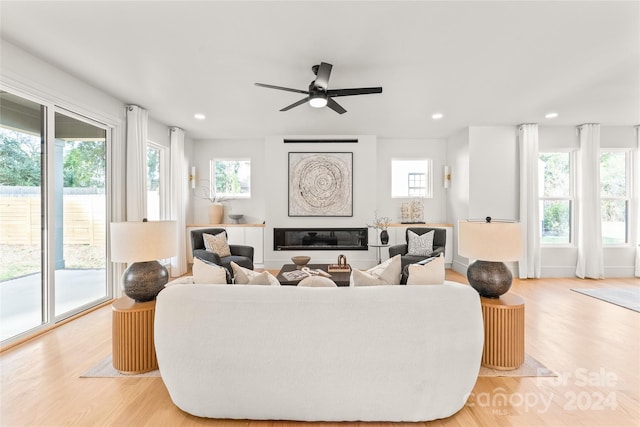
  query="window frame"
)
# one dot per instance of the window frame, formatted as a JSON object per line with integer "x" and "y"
{"x": 627, "y": 198}
{"x": 571, "y": 198}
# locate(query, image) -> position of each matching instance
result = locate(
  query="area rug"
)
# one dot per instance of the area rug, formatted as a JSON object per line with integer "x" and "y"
{"x": 530, "y": 368}
{"x": 624, "y": 297}
{"x": 105, "y": 369}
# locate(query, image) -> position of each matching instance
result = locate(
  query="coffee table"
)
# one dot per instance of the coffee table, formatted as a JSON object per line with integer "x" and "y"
{"x": 341, "y": 279}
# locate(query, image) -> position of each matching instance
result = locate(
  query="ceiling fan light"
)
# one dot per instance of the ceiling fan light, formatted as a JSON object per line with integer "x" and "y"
{"x": 318, "y": 101}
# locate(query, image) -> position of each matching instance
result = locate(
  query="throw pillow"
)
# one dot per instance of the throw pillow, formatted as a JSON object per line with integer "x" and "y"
{"x": 431, "y": 273}
{"x": 205, "y": 272}
{"x": 317, "y": 282}
{"x": 217, "y": 243}
{"x": 244, "y": 276}
{"x": 420, "y": 245}
{"x": 387, "y": 273}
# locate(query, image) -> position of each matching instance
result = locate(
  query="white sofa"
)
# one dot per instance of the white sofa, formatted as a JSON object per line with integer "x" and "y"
{"x": 376, "y": 353}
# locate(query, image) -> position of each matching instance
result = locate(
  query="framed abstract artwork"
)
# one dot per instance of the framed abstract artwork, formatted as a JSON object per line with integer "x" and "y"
{"x": 320, "y": 184}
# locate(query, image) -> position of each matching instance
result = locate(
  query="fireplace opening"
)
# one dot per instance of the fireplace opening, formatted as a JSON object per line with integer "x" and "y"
{"x": 320, "y": 239}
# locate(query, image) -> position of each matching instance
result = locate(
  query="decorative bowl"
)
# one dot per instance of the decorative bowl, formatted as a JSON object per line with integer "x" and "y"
{"x": 301, "y": 260}
{"x": 236, "y": 218}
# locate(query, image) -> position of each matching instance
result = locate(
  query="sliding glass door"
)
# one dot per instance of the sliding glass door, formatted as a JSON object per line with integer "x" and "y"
{"x": 21, "y": 224}
{"x": 53, "y": 215}
{"x": 80, "y": 208}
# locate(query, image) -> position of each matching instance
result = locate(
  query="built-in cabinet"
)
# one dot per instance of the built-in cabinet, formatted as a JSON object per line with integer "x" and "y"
{"x": 238, "y": 234}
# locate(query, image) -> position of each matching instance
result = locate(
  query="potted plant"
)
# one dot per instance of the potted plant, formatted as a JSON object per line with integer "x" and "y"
{"x": 216, "y": 208}
{"x": 381, "y": 223}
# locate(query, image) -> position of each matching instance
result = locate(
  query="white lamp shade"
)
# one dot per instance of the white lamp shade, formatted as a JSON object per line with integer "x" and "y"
{"x": 490, "y": 241}
{"x": 142, "y": 241}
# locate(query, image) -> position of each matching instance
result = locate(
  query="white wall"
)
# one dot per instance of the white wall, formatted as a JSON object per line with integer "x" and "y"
{"x": 435, "y": 211}
{"x": 458, "y": 193}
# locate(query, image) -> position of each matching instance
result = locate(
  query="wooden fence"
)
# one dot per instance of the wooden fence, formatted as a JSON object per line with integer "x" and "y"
{"x": 84, "y": 219}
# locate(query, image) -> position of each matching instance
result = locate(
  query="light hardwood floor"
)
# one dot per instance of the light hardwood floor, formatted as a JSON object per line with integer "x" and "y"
{"x": 594, "y": 346}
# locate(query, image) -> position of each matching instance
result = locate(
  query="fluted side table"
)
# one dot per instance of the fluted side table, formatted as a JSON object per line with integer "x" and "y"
{"x": 133, "y": 345}
{"x": 503, "y": 331}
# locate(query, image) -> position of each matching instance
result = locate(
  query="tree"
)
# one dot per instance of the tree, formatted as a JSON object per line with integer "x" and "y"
{"x": 84, "y": 164}
{"x": 19, "y": 159}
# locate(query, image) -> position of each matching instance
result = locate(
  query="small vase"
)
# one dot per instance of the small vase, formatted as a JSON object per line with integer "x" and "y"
{"x": 216, "y": 213}
{"x": 384, "y": 237}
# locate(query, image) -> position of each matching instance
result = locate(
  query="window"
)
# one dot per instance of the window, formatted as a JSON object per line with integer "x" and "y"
{"x": 155, "y": 182}
{"x": 556, "y": 198}
{"x": 614, "y": 196}
{"x": 411, "y": 178}
{"x": 231, "y": 177}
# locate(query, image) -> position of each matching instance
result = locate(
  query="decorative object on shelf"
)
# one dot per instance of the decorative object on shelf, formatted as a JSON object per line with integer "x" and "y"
{"x": 236, "y": 218}
{"x": 216, "y": 209}
{"x": 142, "y": 244}
{"x": 320, "y": 184}
{"x": 490, "y": 243}
{"x": 381, "y": 223}
{"x": 300, "y": 261}
{"x": 340, "y": 267}
{"x": 412, "y": 212}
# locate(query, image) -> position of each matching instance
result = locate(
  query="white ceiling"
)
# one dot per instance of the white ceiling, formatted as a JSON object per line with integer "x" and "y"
{"x": 478, "y": 62}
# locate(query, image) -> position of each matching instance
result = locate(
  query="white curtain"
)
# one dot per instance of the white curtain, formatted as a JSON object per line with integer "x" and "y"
{"x": 590, "y": 256}
{"x": 636, "y": 172}
{"x": 529, "y": 266}
{"x": 179, "y": 202}
{"x": 136, "y": 161}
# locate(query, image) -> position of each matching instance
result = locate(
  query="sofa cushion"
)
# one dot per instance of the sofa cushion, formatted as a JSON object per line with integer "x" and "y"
{"x": 387, "y": 273}
{"x": 421, "y": 245}
{"x": 429, "y": 273}
{"x": 205, "y": 272}
{"x": 317, "y": 282}
{"x": 244, "y": 276}
{"x": 217, "y": 243}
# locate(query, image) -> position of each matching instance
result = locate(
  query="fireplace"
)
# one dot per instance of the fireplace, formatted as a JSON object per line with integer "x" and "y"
{"x": 320, "y": 239}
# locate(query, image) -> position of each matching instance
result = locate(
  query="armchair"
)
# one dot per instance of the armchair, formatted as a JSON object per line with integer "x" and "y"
{"x": 240, "y": 254}
{"x": 439, "y": 241}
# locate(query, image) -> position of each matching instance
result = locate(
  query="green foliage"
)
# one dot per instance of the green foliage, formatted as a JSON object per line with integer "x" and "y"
{"x": 153, "y": 169}
{"x": 19, "y": 159}
{"x": 84, "y": 164}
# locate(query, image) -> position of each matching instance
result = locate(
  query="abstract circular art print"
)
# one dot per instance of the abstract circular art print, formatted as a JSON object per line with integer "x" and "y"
{"x": 320, "y": 184}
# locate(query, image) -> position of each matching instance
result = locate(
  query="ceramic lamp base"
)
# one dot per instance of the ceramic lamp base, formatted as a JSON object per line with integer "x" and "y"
{"x": 490, "y": 279}
{"x": 143, "y": 281}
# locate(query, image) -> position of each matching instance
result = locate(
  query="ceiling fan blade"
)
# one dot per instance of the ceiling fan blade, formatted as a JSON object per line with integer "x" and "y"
{"x": 322, "y": 78}
{"x": 355, "y": 91}
{"x": 281, "y": 88}
{"x": 335, "y": 106}
{"x": 295, "y": 104}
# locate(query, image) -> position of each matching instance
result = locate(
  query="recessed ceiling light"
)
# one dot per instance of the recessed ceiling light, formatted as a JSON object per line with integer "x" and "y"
{"x": 437, "y": 116}
{"x": 551, "y": 115}
{"x": 199, "y": 116}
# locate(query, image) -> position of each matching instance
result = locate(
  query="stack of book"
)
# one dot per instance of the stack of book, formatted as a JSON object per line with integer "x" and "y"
{"x": 339, "y": 268}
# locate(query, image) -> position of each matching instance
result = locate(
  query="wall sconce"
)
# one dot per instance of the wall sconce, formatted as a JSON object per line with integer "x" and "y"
{"x": 192, "y": 177}
{"x": 447, "y": 177}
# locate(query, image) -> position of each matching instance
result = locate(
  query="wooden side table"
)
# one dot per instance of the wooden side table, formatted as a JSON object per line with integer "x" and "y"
{"x": 133, "y": 346}
{"x": 503, "y": 331}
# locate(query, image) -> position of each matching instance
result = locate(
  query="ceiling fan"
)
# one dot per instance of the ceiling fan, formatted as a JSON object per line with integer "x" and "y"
{"x": 319, "y": 95}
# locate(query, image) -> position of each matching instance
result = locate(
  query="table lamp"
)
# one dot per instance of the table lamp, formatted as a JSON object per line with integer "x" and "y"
{"x": 490, "y": 243}
{"x": 142, "y": 244}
